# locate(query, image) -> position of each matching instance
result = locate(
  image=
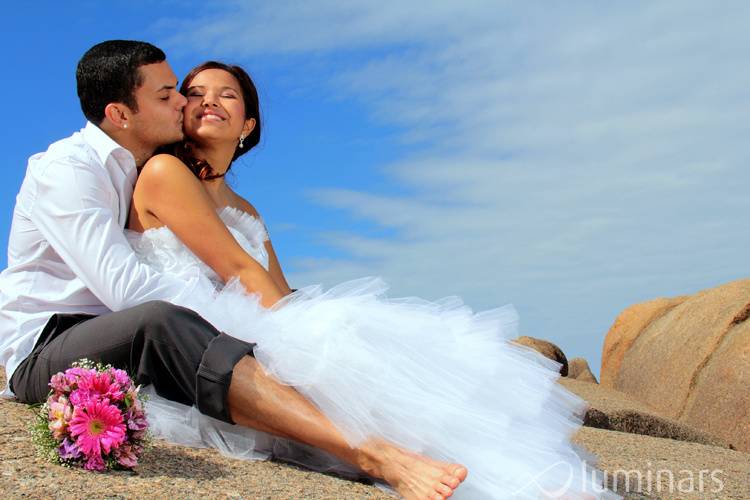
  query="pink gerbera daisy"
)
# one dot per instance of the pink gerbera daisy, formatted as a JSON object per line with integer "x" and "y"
{"x": 97, "y": 426}
{"x": 100, "y": 386}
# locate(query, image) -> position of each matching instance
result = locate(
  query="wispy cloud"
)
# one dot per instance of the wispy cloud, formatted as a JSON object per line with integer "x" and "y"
{"x": 572, "y": 158}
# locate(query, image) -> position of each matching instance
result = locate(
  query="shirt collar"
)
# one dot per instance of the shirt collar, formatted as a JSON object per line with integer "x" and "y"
{"x": 105, "y": 147}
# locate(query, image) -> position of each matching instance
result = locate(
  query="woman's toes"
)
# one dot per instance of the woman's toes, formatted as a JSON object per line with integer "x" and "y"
{"x": 451, "y": 481}
{"x": 460, "y": 472}
{"x": 444, "y": 490}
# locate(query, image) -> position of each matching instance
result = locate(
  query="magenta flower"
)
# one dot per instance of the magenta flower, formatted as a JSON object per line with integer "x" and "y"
{"x": 137, "y": 423}
{"x": 94, "y": 462}
{"x": 138, "y": 435}
{"x": 97, "y": 426}
{"x": 60, "y": 383}
{"x": 127, "y": 455}
{"x": 121, "y": 377}
{"x": 72, "y": 375}
{"x": 101, "y": 386}
{"x": 80, "y": 398}
{"x": 78, "y": 371}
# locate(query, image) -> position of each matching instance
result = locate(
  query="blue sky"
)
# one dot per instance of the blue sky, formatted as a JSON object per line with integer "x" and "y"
{"x": 569, "y": 158}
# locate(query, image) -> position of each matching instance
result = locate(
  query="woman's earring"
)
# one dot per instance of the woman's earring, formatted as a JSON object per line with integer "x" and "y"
{"x": 242, "y": 140}
{"x": 125, "y": 125}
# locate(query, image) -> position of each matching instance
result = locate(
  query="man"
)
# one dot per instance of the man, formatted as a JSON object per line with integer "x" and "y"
{"x": 75, "y": 289}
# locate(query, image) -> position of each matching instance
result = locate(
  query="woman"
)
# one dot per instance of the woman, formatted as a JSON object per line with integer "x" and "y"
{"x": 433, "y": 378}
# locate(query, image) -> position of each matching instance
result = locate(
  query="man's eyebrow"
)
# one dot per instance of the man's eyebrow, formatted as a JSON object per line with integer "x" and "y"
{"x": 167, "y": 87}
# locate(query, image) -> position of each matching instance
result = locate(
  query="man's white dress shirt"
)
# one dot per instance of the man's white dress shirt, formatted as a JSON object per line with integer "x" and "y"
{"x": 67, "y": 252}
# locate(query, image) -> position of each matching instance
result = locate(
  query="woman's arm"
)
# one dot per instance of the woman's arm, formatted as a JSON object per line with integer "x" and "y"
{"x": 168, "y": 191}
{"x": 274, "y": 268}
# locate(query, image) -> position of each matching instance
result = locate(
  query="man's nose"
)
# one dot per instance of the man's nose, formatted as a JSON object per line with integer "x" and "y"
{"x": 181, "y": 101}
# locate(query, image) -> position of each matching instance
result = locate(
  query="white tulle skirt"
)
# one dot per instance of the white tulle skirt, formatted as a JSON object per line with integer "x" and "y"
{"x": 432, "y": 377}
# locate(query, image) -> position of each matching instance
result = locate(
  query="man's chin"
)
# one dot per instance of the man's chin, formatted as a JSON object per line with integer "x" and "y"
{"x": 177, "y": 137}
{"x": 168, "y": 140}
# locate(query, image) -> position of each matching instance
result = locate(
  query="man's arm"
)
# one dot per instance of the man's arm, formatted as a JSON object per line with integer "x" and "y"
{"x": 73, "y": 211}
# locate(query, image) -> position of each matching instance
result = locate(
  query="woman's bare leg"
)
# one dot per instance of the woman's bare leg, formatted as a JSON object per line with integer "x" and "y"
{"x": 257, "y": 400}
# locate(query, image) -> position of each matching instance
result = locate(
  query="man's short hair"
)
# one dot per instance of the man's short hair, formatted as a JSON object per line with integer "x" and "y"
{"x": 109, "y": 72}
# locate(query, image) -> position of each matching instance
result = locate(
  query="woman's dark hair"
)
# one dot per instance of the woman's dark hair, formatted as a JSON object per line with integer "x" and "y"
{"x": 184, "y": 150}
{"x": 110, "y": 72}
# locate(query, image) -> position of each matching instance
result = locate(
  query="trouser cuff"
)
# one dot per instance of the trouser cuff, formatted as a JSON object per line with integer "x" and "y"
{"x": 215, "y": 374}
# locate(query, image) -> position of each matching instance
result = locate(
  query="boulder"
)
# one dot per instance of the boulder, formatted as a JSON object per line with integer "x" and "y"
{"x": 689, "y": 358}
{"x": 626, "y": 329}
{"x": 547, "y": 349}
{"x": 614, "y": 410}
{"x": 578, "y": 369}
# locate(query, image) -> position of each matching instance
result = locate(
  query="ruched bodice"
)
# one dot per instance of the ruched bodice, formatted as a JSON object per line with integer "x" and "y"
{"x": 163, "y": 251}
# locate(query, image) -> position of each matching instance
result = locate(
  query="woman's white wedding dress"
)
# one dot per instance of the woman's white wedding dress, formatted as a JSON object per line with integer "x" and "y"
{"x": 433, "y": 377}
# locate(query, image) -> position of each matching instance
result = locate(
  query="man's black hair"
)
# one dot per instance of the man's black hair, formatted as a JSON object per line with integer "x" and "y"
{"x": 109, "y": 72}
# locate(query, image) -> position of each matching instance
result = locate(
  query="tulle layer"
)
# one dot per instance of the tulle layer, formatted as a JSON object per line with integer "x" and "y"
{"x": 432, "y": 377}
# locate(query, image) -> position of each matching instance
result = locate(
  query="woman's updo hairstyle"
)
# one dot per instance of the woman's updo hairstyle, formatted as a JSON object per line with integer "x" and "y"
{"x": 184, "y": 149}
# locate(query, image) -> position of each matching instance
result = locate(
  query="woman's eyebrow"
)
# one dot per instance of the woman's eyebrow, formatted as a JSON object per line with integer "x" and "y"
{"x": 203, "y": 87}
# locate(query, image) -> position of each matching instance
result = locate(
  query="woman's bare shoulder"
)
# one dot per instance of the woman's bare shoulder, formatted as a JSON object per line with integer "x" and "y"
{"x": 164, "y": 164}
{"x": 164, "y": 171}
{"x": 242, "y": 204}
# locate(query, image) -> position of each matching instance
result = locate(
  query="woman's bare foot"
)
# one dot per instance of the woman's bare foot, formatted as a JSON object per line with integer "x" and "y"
{"x": 413, "y": 476}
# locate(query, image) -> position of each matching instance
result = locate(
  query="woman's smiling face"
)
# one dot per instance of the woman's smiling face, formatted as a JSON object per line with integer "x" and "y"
{"x": 215, "y": 109}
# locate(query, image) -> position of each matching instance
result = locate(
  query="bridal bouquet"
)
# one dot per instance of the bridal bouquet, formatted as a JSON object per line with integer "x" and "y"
{"x": 93, "y": 418}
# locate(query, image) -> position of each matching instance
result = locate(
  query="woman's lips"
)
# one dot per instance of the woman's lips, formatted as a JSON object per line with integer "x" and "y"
{"x": 211, "y": 116}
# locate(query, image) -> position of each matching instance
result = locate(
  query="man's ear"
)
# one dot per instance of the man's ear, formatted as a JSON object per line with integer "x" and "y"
{"x": 249, "y": 127}
{"x": 117, "y": 114}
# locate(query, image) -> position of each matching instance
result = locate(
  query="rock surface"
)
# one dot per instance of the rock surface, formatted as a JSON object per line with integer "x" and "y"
{"x": 578, "y": 369}
{"x": 546, "y": 348}
{"x": 628, "y": 457}
{"x": 689, "y": 358}
{"x": 178, "y": 472}
{"x": 165, "y": 471}
{"x": 626, "y": 328}
{"x": 614, "y": 410}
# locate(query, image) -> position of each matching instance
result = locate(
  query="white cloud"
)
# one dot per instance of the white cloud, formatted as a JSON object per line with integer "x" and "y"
{"x": 569, "y": 157}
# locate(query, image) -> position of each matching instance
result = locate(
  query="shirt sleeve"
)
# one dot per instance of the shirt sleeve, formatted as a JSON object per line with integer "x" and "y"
{"x": 73, "y": 209}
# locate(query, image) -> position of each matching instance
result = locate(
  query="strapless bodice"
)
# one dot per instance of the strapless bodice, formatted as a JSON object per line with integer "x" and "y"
{"x": 162, "y": 249}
